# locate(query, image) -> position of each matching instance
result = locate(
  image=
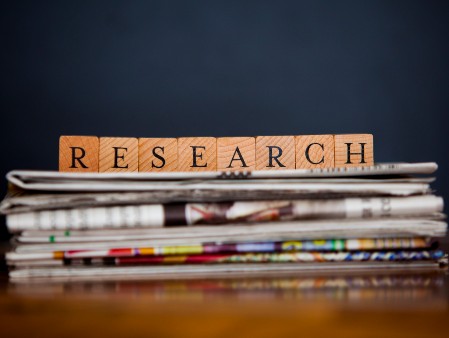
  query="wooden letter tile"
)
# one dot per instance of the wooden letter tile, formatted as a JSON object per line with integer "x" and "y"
{"x": 158, "y": 154}
{"x": 314, "y": 151}
{"x": 236, "y": 153}
{"x": 275, "y": 152}
{"x": 119, "y": 154}
{"x": 78, "y": 153}
{"x": 197, "y": 154}
{"x": 354, "y": 150}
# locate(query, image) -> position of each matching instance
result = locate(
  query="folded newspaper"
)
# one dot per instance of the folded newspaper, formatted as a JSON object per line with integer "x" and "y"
{"x": 166, "y": 225}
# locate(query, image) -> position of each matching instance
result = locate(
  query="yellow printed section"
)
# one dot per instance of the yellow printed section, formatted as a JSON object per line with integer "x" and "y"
{"x": 180, "y": 250}
{"x": 292, "y": 245}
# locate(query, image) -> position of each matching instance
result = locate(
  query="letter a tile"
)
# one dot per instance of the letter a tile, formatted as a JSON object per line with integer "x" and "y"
{"x": 236, "y": 153}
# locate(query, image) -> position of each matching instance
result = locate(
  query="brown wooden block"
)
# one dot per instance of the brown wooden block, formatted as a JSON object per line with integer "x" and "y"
{"x": 354, "y": 150}
{"x": 275, "y": 152}
{"x": 236, "y": 153}
{"x": 119, "y": 154}
{"x": 197, "y": 154}
{"x": 158, "y": 154}
{"x": 78, "y": 153}
{"x": 314, "y": 151}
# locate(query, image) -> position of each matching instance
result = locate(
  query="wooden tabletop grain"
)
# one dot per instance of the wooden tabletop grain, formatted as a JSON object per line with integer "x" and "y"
{"x": 413, "y": 305}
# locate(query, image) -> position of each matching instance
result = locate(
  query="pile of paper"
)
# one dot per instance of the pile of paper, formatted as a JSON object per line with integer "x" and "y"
{"x": 162, "y": 225}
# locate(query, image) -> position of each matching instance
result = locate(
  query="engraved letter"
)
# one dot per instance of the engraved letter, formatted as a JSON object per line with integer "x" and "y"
{"x": 348, "y": 153}
{"x": 117, "y": 157}
{"x": 276, "y": 158}
{"x": 240, "y": 158}
{"x": 308, "y": 155}
{"x": 195, "y": 156}
{"x": 75, "y": 158}
{"x": 159, "y": 157}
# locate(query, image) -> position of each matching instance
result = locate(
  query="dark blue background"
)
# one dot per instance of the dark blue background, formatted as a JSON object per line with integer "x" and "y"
{"x": 179, "y": 68}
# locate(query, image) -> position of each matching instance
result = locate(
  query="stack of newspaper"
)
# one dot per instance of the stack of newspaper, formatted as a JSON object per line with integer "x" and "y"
{"x": 88, "y": 226}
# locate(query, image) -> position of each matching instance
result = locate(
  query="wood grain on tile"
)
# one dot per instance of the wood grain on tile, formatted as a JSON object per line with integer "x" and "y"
{"x": 275, "y": 152}
{"x": 197, "y": 154}
{"x": 119, "y": 154}
{"x": 158, "y": 154}
{"x": 314, "y": 151}
{"x": 236, "y": 153}
{"x": 78, "y": 153}
{"x": 354, "y": 150}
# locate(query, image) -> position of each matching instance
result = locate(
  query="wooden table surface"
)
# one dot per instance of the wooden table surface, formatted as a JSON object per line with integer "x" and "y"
{"x": 389, "y": 304}
{"x": 409, "y": 305}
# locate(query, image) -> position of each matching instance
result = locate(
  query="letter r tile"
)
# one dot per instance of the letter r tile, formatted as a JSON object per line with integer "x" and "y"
{"x": 275, "y": 152}
{"x": 78, "y": 153}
